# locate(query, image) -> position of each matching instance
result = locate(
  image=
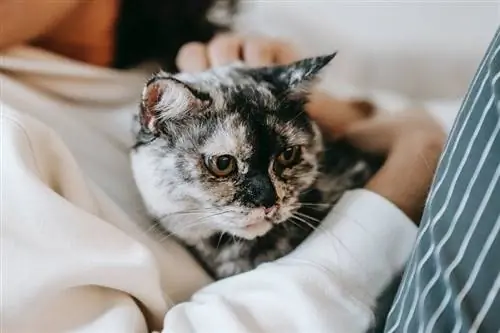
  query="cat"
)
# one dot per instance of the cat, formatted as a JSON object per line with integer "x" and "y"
{"x": 229, "y": 162}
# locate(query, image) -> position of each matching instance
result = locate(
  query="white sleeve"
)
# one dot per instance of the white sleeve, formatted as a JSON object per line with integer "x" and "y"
{"x": 70, "y": 259}
{"x": 329, "y": 284}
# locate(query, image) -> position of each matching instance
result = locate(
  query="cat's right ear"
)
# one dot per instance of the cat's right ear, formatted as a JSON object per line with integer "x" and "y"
{"x": 166, "y": 98}
{"x": 295, "y": 79}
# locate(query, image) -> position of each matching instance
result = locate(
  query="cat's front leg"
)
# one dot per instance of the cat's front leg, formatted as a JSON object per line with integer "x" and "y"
{"x": 233, "y": 267}
{"x": 226, "y": 258}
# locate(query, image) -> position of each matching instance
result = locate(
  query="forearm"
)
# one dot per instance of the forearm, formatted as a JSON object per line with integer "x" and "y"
{"x": 22, "y": 21}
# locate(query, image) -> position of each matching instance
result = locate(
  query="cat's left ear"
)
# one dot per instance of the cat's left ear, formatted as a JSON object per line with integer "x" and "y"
{"x": 166, "y": 98}
{"x": 296, "y": 77}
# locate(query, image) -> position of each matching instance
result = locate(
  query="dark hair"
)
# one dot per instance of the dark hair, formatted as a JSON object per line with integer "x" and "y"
{"x": 154, "y": 30}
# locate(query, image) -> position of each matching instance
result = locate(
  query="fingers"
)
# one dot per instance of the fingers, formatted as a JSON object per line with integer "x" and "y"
{"x": 224, "y": 49}
{"x": 262, "y": 51}
{"x": 285, "y": 53}
{"x": 192, "y": 57}
{"x": 259, "y": 52}
{"x": 227, "y": 48}
{"x": 254, "y": 51}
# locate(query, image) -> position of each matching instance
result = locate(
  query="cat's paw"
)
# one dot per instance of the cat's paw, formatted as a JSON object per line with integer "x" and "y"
{"x": 231, "y": 268}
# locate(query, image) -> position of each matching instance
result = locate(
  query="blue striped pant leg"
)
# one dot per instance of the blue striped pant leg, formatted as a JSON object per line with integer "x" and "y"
{"x": 451, "y": 283}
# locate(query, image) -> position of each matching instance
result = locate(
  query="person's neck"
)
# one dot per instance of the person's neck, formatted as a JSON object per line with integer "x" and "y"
{"x": 87, "y": 34}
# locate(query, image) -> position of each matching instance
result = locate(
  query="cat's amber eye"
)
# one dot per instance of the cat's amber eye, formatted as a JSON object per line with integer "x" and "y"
{"x": 290, "y": 156}
{"x": 221, "y": 166}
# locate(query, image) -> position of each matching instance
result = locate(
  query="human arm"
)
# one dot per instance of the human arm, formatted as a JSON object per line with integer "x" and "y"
{"x": 25, "y": 20}
{"x": 413, "y": 142}
{"x": 82, "y": 30}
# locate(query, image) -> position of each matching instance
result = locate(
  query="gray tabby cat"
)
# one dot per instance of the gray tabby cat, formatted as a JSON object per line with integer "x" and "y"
{"x": 229, "y": 162}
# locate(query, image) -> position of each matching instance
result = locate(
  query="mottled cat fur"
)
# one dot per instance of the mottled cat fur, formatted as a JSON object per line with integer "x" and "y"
{"x": 263, "y": 209}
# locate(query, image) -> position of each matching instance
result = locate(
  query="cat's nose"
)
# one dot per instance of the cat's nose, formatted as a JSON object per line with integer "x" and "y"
{"x": 271, "y": 210}
{"x": 266, "y": 200}
{"x": 259, "y": 192}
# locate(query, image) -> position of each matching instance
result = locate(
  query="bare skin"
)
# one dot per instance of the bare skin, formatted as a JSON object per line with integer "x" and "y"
{"x": 79, "y": 29}
{"x": 413, "y": 142}
{"x": 84, "y": 30}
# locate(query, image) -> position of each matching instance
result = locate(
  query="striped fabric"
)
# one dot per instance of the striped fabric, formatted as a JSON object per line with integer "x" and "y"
{"x": 452, "y": 281}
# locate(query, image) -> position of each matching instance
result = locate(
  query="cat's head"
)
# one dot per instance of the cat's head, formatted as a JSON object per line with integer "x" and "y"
{"x": 227, "y": 150}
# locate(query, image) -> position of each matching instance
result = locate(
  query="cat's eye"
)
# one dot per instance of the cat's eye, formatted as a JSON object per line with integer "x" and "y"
{"x": 290, "y": 156}
{"x": 221, "y": 166}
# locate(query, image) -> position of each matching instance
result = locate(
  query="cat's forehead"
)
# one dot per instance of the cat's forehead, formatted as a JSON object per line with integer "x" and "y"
{"x": 229, "y": 135}
{"x": 247, "y": 112}
{"x": 290, "y": 131}
{"x": 229, "y": 86}
{"x": 244, "y": 137}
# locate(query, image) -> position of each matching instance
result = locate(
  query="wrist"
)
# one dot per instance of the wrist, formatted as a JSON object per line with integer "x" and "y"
{"x": 406, "y": 176}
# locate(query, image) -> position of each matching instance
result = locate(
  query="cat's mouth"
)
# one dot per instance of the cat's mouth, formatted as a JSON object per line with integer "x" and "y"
{"x": 269, "y": 213}
{"x": 258, "y": 228}
{"x": 260, "y": 221}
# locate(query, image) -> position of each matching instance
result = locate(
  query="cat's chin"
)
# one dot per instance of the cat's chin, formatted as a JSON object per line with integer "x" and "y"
{"x": 253, "y": 230}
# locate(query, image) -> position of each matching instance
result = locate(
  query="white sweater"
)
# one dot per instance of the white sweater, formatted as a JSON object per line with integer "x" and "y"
{"x": 76, "y": 253}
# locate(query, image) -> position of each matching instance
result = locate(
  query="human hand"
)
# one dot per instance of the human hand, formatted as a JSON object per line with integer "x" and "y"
{"x": 265, "y": 51}
{"x": 226, "y": 48}
{"x": 413, "y": 143}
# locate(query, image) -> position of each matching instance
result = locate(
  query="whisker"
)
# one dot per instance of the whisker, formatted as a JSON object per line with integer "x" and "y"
{"x": 305, "y": 222}
{"x": 220, "y": 238}
{"x": 295, "y": 223}
{"x": 151, "y": 227}
{"x": 190, "y": 211}
{"x": 308, "y": 217}
{"x": 192, "y": 224}
{"x": 209, "y": 216}
{"x": 331, "y": 234}
{"x": 326, "y": 205}
{"x": 170, "y": 234}
{"x": 317, "y": 207}
{"x": 236, "y": 240}
{"x": 311, "y": 204}
{"x": 182, "y": 214}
